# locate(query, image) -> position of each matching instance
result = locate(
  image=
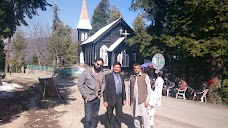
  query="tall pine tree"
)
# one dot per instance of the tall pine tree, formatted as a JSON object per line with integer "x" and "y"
{"x": 60, "y": 41}
{"x": 114, "y": 14}
{"x": 18, "y": 51}
{"x": 142, "y": 39}
{"x": 100, "y": 16}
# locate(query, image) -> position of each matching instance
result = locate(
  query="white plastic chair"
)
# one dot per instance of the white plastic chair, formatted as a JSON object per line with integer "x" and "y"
{"x": 169, "y": 89}
{"x": 203, "y": 98}
{"x": 181, "y": 93}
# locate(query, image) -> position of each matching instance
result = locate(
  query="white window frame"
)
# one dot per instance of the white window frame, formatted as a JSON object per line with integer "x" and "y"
{"x": 104, "y": 54}
{"x": 86, "y": 36}
{"x": 82, "y": 37}
{"x": 123, "y": 58}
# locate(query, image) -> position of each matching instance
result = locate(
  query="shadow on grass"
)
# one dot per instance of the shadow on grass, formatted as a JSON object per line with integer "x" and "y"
{"x": 12, "y": 104}
{"x": 125, "y": 118}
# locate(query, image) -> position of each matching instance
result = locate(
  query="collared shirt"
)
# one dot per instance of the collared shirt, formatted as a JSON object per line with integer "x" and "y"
{"x": 118, "y": 83}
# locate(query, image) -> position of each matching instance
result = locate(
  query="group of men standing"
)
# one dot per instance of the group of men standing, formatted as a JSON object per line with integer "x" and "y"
{"x": 93, "y": 84}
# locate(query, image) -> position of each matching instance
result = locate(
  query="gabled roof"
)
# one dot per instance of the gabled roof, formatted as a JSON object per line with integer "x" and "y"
{"x": 84, "y": 22}
{"x": 100, "y": 32}
{"x": 116, "y": 44}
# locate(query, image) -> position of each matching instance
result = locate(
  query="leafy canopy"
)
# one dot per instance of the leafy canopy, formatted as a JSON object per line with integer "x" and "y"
{"x": 192, "y": 34}
{"x": 195, "y": 25}
{"x": 13, "y": 13}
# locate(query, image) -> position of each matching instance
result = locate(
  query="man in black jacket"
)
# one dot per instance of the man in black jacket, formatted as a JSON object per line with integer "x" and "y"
{"x": 114, "y": 95}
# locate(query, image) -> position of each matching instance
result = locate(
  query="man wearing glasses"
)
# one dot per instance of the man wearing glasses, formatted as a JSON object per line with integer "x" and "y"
{"x": 91, "y": 84}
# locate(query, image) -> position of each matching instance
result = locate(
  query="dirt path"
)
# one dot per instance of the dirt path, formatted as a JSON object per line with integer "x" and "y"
{"x": 67, "y": 113}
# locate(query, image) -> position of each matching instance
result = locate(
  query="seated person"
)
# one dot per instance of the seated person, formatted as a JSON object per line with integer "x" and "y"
{"x": 167, "y": 82}
{"x": 182, "y": 85}
{"x": 166, "y": 85}
{"x": 202, "y": 87}
{"x": 176, "y": 85}
{"x": 199, "y": 92}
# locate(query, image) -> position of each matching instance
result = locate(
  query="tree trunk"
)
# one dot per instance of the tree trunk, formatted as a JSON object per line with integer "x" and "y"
{"x": 7, "y": 54}
{"x": 39, "y": 60}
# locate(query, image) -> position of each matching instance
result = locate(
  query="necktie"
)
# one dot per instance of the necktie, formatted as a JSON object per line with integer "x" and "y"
{"x": 119, "y": 86}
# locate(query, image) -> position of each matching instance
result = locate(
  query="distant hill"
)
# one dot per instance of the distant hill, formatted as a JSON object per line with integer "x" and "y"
{"x": 74, "y": 34}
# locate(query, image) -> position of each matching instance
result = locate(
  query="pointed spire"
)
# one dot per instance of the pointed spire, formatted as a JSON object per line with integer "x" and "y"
{"x": 84, "y": 12}
{"x": 84, "y": 22}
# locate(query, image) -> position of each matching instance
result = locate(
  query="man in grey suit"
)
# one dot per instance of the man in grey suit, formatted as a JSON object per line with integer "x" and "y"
{"x": 114, "y": 95}
{"x": 91, "y": 85}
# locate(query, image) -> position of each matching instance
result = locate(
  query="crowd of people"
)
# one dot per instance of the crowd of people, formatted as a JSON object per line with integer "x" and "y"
{"x": 180, "y": 84}
{"x": 94, "y": 84}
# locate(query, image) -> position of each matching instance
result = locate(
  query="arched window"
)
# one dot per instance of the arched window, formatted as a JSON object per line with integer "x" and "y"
{"x": 123, "y": 58}
{"x": 104, "y": 54}
{"x": 82, "y": 37}
{"x": 86, "y": 36}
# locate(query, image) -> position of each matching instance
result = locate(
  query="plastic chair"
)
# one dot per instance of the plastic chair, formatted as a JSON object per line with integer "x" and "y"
{"x": 169, "y": 89}
{"x": 181, "y": 93}
{"x": 203, "y": 97}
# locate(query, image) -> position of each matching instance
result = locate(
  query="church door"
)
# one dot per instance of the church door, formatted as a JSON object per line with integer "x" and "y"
{"x": 104, "y": 54}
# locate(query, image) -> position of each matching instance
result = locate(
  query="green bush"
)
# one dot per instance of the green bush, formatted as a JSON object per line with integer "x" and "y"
{"x": 223, "y": 91}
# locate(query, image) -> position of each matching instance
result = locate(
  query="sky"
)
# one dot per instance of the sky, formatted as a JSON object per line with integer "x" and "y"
{"x": 69, "y": 11}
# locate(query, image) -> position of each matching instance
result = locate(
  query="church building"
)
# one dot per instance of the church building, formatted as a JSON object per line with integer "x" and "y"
{"x": 107, "y": 43}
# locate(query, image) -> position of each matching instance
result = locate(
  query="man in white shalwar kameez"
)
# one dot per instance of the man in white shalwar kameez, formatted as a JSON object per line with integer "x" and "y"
{"x": 140, "y": 89}
{"x": 152, "y": 104}
{"x": 158, "y": 88}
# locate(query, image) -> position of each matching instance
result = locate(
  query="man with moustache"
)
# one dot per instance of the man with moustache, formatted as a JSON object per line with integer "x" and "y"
{"x": 140, "y": 89}
{"x": 114, "y": 95}
{"x": 91, "y": 84}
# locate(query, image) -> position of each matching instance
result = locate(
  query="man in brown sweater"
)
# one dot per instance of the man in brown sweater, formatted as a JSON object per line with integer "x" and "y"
{"x": 140, "y": 89}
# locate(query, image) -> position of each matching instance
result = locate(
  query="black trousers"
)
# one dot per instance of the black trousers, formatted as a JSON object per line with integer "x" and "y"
{"x": 110, "y": 116}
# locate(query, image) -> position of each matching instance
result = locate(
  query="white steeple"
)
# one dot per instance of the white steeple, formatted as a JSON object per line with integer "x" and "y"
{"x": 84, "y": 22}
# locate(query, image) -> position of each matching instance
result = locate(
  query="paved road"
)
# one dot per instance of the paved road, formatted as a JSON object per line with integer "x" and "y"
{"x": 203, "y": 115}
